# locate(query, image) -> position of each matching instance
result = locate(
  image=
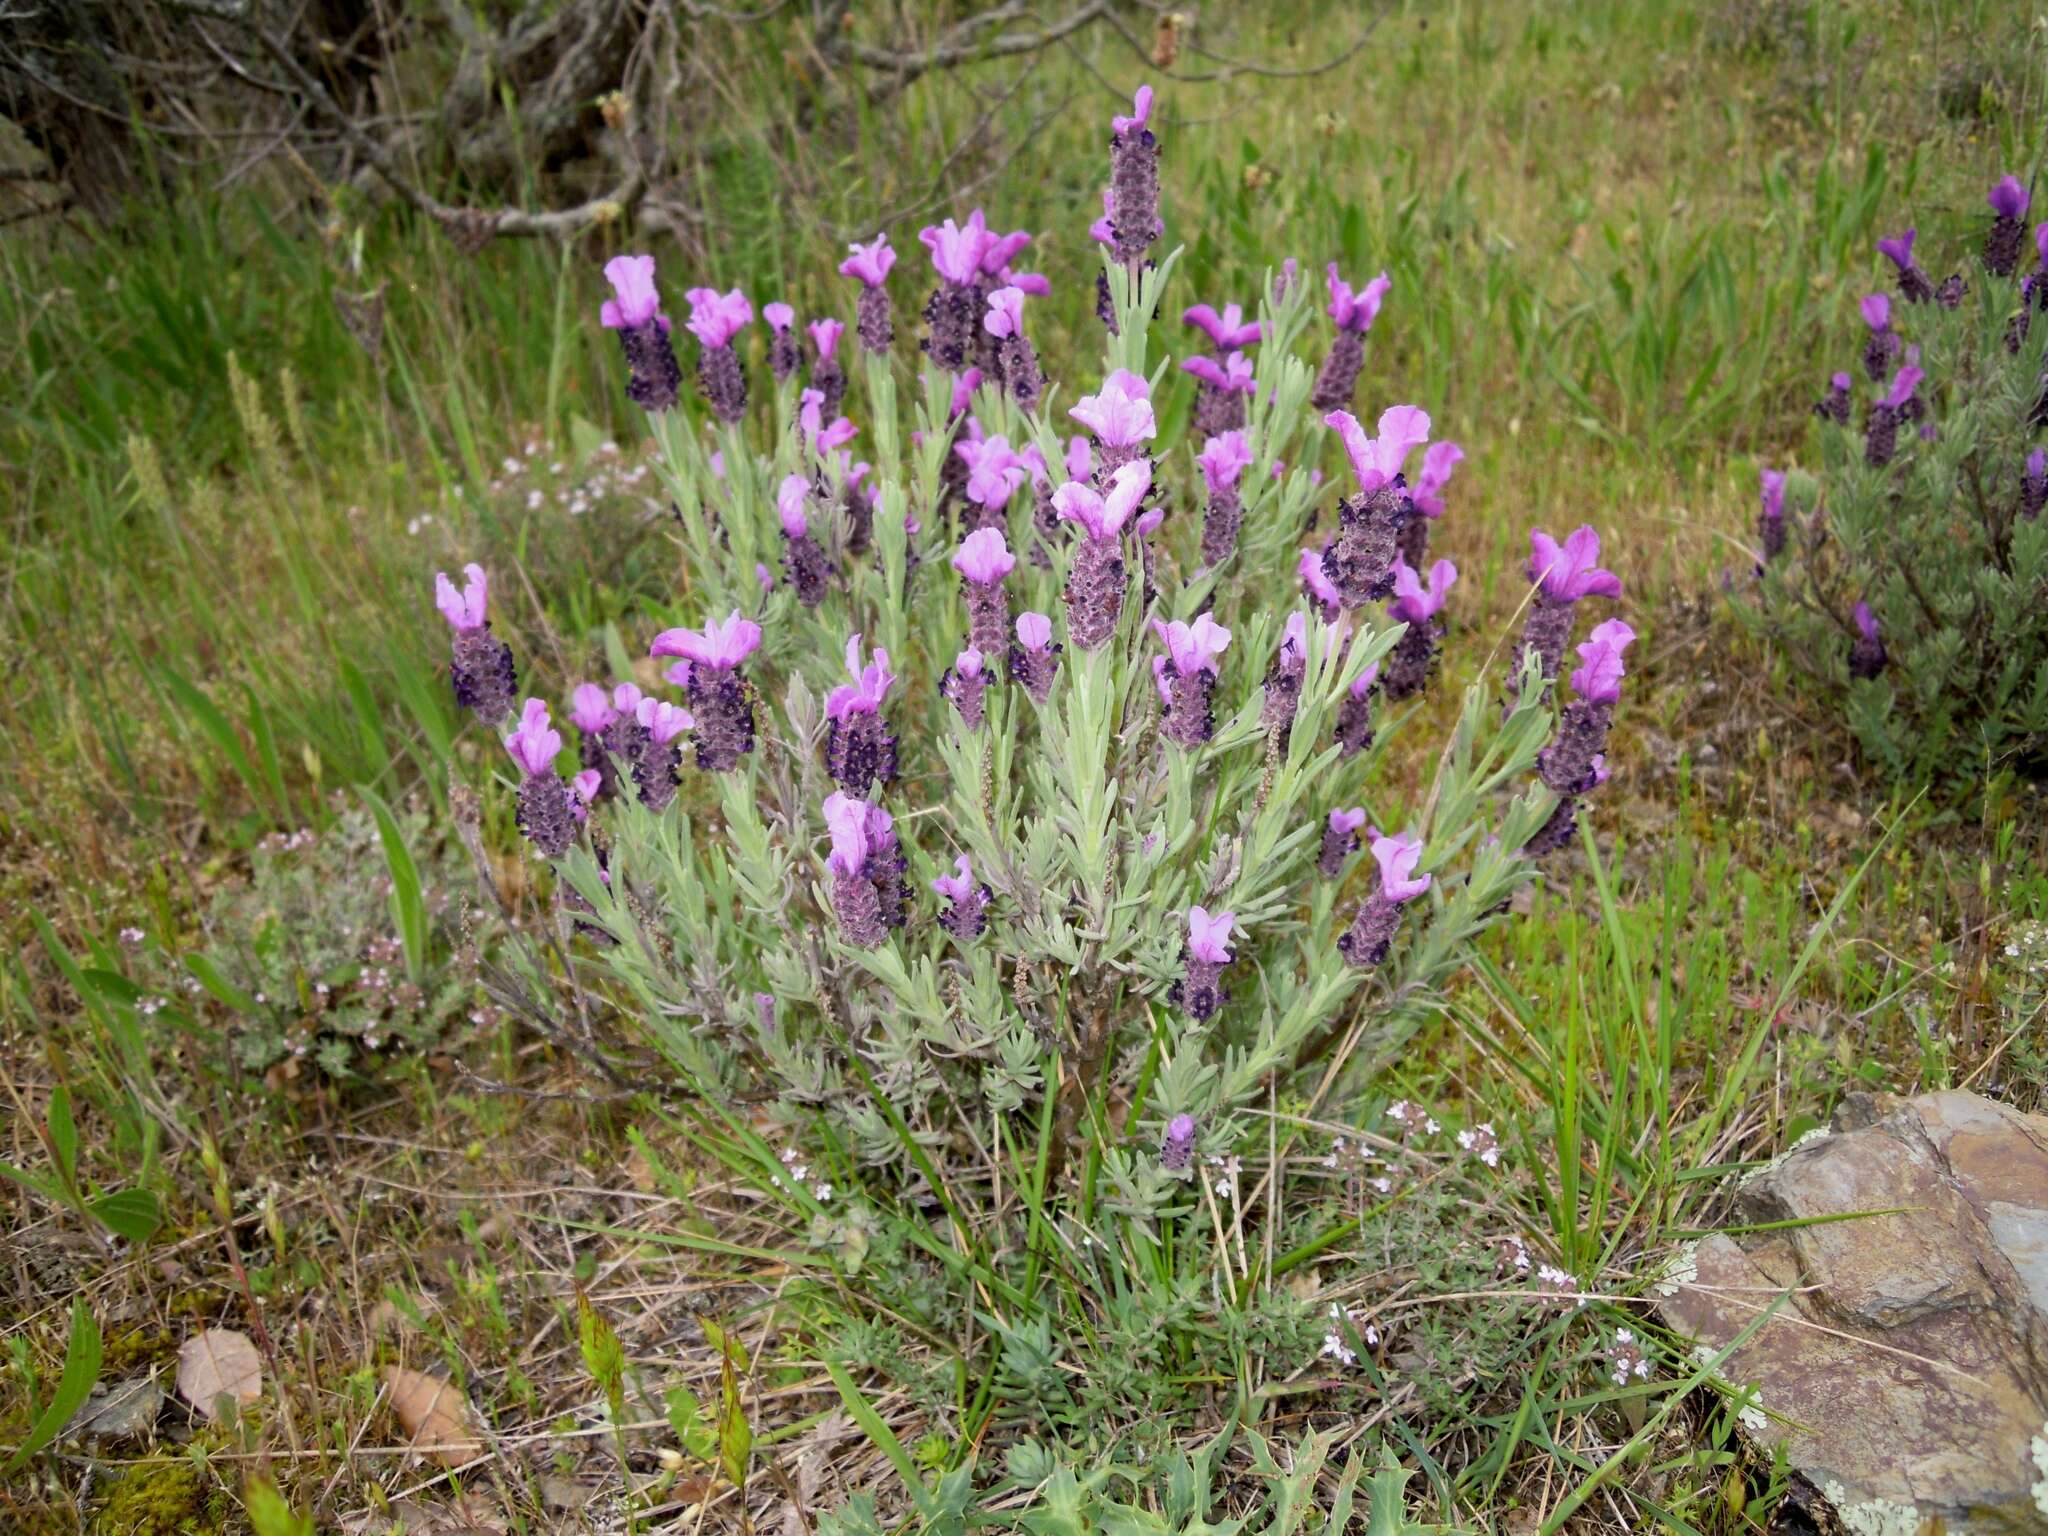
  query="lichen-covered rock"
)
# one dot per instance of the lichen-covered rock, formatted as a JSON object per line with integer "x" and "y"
{"x": 1906, "y": 1371}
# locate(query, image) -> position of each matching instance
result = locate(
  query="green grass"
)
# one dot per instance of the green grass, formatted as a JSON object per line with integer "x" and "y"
{"x": 1623, "y": 240}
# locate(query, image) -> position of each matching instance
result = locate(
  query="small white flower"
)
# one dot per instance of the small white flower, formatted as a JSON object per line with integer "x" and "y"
{"x": 823, "y": 1193}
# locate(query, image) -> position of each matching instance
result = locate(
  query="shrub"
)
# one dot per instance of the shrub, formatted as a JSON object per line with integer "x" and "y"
{"x": 1908, "y": 583}
{"x": 988, "y": 960}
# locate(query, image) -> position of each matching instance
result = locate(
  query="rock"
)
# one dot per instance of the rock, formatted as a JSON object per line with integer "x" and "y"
{"x": 126, "y": 1411}
{"x": 1906, "y": 1374}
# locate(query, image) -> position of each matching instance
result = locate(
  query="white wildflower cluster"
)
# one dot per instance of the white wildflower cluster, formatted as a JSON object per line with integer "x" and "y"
{"x": 132, "y": 937}
{"x": 1479, "y": 1141}
{"x": 1353, "y": 1157}
{"x": 608, "y": 476}
{"x": 1412, "y": 1119}
{"x": 150, "y": 1006}
{"x": 1227, "y": 1170}
{"x": 1626, "y": 1360}
{"x": 1345, "y": 1325}
{"x": 286, "y": 842}
{"x": 800, "y": 1175}
{"x": 1564, "y": 1283}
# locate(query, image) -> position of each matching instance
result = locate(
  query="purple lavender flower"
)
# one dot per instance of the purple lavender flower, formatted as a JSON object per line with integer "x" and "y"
{"x": 784, "y": 355}
{"x": 1913, "y": 284}
{"x": 1834, "y": 405}
{"x": 822, "y": 438}
{"x": 655, "y": 770}
{"x": 1134, "y": 183}
{"x": 2008, "y": 233}
{"x": 964, "y": 684}
{"x": 720, "y": 697}
{"x": 591, "y": 712}
{"x": 1045, "y": 517}
{"x": 1564, "y": 574}
{"x": 868, "y": 889}
{"x": 544, "y": 814}
{"x": 1096, "y": 579}
{"x": 653, "y": 376}
{"x": 2034, "y": 485}
{"x": 1340, "y": 841}
{"x": 1866, "y": 655}
{"x": 715, "y": 318}
{"x": 1222, "y": 461}
{"x": 1881, "y": 347}
{"x": 1427, "y": 496}
{"x": 624, "y": 738}
{"x": 1881, "y": 426}
{"x": 810, "y": 573}
{"x": 870, "y": 263}
{"x": 860, "y": 752}
{"x": 1575, "y": 762}
{"x": 1284, "y": 678}
{"x": 1186, "y": 677}
{"x": 1035, "y": 657}
{"x": 1354, "y": 314}
{"x": 953, "y": 313}
{"x": 1770, "y": 522}
{"x": 994, "y": 471}
{"x": 1206, "y": 954}
{"x": 1177, "y": 1146}
{"x": 1360, "y": 562}
{"x": 1371, "y": 935}
{"x": 1228, "y": 331}
{"x": 1414, "y": 655}
{"x": 1354, "y": 714}
{"x": 966, "y": 914}
{"x": 1316, "y": 586}
{"x": 480, "y": 664}
{"x": 1225, "y": 387}
{"x": 983, "y": 560}
{"x": 1016, "y": 364}
{"x": 827, "y": 377}
{"x": 1120, "y": 415}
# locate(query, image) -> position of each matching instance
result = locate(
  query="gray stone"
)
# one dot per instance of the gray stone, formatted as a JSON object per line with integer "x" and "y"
{"x": 1906, "y": 1372}
{"x": 125, "y": 1411}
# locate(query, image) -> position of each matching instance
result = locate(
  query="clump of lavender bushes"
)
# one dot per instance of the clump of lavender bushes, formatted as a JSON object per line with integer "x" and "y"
{"x": 1906, "y": 579}
{"x": 1000, "y": 796}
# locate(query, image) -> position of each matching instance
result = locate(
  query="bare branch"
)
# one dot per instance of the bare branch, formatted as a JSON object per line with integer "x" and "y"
{"x": 958, "y": 48}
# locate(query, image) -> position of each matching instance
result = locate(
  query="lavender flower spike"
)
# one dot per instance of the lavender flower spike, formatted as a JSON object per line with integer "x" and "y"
{"x": 870, "y": 263}
{"x": 2008, "y": 233}
{"x": 827, "y": 377}
{"x": 2034, "y": 485}
{"x": 983, "y": 560}
{"x": 1340, "y": 841}
{"x": 1564, "y": 574}
{"x": 1354, "y": 313}
{"x": 1226, "y": 387}
{"x": 1016, "y": 362}
{"x": 591, "y": 712}
{"x": 544, "y": 814}
{"x": 953, "y": 313}
{"x": 1096, "y": 580}
{"x": 1428, "y": 498}
{"x": 653, "y": 376}
{"x": 1354, "y": 714}
{"x": 1186, "y": 677}
{"x": 1035, "y": 657}
{"x": 715, "y": 318}
{"x": 1913, "y": 284}
{"x": 966, "y": 914}
{"x": 1360, "y": 563}
{"x": 1770, "y": 521}
{"x": 965, "y": 682}
{"x": 802, "y": 556}
{"x": 1881, "y": 346}
{"x": 1134, "y": 183}
{"x": 1228, "y": 331}
{"x": 1206, "y": 954}
{"x": 1222, "y": 461}
{"x": 480, "y": 664}
{"x": 784, "y": 355}
{"x": 1284, "y": 678}
{"x": 1866, "y": 655}
{"x": 1834, "y": 405}
{"x": 720, "y": 697}
{"x": 866, "y": 864}
{"x": 1575, "y": 761}
{"x": 859, "y": 750}
{"x": 1371, "y": 935}
{"x": 1414, "y": 655}
{"x": 655, "y": 771}
{"x": 1881, "y": 426}
{"x": 1177, "y": 1146}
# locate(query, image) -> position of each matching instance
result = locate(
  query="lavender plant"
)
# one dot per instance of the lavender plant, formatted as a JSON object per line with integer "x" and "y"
{"x": 1035, "y": 918}
{"x": 1906, "y": 580}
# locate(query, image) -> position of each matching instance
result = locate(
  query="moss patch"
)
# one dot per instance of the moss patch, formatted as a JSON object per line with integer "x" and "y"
{"x": 164, "y": 1496}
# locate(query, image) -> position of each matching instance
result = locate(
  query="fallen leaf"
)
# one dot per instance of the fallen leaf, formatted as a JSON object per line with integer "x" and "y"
{"x": 219, "y": 1363}
{"x": 434, "y": 1414}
